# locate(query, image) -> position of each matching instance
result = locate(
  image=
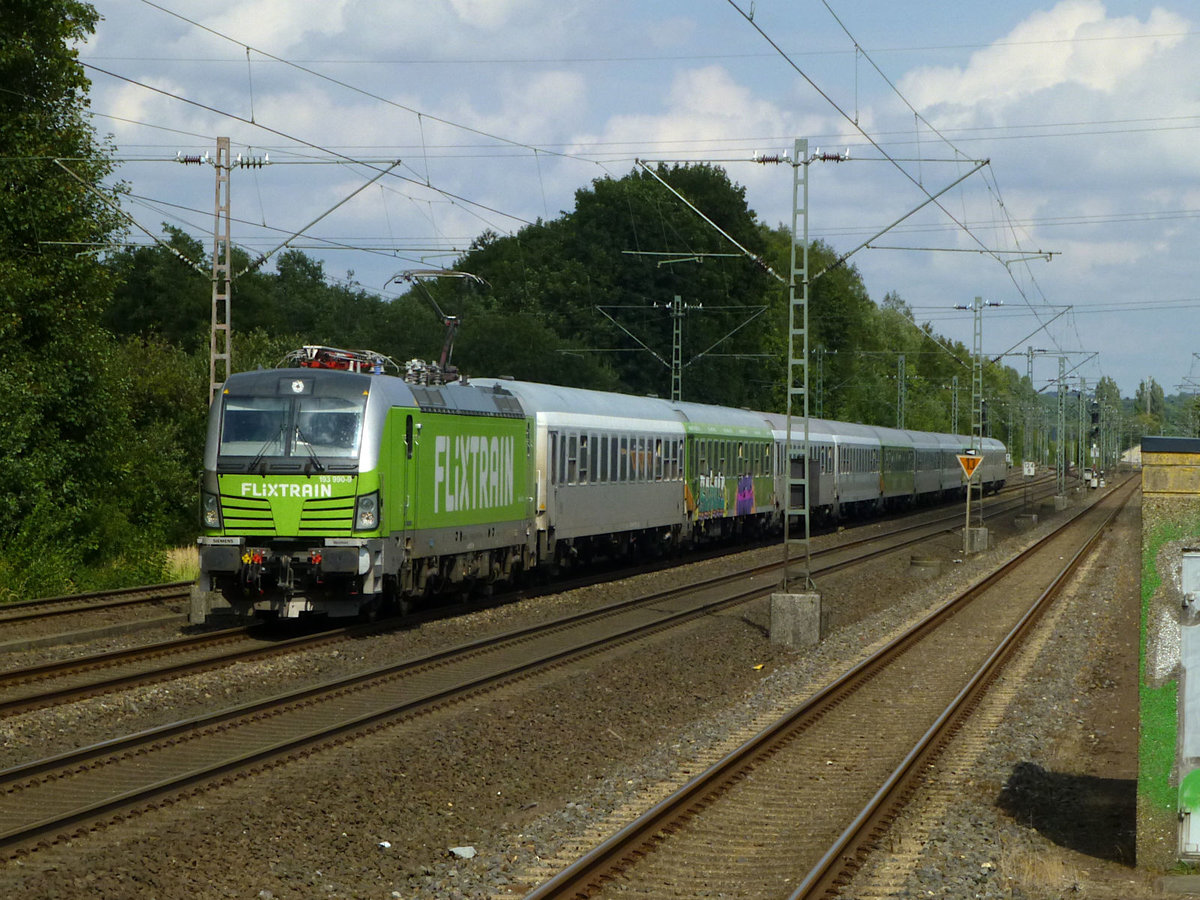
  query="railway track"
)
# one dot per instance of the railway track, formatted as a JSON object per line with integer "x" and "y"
{"x": 65, "y": 681}
{"x": 791, "y": 811}
{"x": 48, "y": 799}
{"x": 55, "y": 607}
{"x": 51, "y": 608}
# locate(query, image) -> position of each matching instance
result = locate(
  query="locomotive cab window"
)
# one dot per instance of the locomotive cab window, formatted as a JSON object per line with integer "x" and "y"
{"x": 306, "y": 427}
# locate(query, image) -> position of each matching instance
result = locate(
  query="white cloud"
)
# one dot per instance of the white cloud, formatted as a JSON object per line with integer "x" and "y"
{"x": 490, "y": 15}
{"x": 1075, "y": 43}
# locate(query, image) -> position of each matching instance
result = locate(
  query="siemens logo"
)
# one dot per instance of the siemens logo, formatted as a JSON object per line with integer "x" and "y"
{"x": 272, "y": 489}
{"x": 472, "y": 472}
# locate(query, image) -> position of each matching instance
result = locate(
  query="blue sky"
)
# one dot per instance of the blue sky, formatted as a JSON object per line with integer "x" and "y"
{"x": 499, "y": 110}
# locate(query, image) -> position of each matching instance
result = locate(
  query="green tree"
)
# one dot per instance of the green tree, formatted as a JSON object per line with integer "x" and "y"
{"x": 603, "y": 278}
{"x": 52, "y": 215}
{"x": 162, "y": 291}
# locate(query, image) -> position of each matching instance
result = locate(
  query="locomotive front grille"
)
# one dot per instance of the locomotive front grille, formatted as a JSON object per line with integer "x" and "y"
{"x": 249, "y": 515}
{"x": 327, "y": 515}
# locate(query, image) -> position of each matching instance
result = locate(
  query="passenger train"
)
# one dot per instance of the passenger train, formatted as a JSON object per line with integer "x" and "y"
{"x": 337, "y": 485}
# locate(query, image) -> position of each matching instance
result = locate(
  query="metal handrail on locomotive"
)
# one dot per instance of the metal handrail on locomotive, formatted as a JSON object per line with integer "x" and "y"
{"x": 333, "y": 487}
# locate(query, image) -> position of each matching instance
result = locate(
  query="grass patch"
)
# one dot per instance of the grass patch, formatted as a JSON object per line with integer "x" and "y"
{"x": 1033, "y": 869}
{"x": 183, "y": 564}
{"x": 1159, "y": 704}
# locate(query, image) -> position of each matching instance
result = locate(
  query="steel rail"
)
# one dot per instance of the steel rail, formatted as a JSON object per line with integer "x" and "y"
{"x": 598, "y": 865}
{"x": 825, "y": 877}
{"x": 368, "y": 700}
{"x": 165, "y": 650}
{"x": 28, "y": 610}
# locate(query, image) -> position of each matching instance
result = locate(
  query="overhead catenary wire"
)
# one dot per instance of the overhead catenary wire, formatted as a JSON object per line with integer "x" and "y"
{"x": 874, "y": 143}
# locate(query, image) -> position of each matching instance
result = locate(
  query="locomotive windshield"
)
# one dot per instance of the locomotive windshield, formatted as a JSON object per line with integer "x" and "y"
{"x": 314, "y": 429}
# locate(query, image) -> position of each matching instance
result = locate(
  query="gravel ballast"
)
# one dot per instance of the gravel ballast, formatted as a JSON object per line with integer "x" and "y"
{"x": 524, "y": 776}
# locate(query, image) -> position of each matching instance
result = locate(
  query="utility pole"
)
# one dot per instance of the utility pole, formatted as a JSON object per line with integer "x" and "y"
{"x": 1081, "y": 434}
{"x": 819, "y": 390}
{"x": 677, "y": 349}
{"x": 954, "y": 404}
{"x": 1060, "y": 469}
{"x": 220, "y": 342}
{"x": 797, "y": 384}
{"x": 900, "y": 391}
{"x": 677, "y": 310}
{"x": 974, "y": 534}
{"x": 220, "y": 349}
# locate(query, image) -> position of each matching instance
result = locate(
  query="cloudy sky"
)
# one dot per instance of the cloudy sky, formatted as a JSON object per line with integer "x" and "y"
{"x": 497, "y": 111}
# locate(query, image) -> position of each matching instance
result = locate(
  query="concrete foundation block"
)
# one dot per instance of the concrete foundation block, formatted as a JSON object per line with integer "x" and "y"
{"x": 796, "y": 619}
{"x": 1025, "y": 521}
{"x": 975, "y": 540}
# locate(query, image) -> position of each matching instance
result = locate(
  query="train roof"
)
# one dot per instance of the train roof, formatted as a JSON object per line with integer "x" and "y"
{"x": 550, "y": 398}
{"x": 547, "y": 399}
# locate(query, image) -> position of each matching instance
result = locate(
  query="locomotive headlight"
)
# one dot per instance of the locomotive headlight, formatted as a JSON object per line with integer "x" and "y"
{"x": 210, "y": 510}
{"x": 366, "y": 512}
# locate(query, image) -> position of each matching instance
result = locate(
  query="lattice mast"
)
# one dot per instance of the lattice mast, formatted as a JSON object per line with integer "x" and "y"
{"x": 220, "y": 350}
{"x": 796, "y": 542}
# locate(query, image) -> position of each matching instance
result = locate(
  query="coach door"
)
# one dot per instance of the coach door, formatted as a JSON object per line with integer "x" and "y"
{"x": 556, "y": 466}
{"x": 406, "y": 483}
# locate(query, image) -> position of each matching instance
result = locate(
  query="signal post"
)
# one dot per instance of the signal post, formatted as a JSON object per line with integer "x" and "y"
{"x": 975, "y": 537}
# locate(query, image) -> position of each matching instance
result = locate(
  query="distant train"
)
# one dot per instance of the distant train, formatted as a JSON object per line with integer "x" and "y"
{"x": 333, "y": 488}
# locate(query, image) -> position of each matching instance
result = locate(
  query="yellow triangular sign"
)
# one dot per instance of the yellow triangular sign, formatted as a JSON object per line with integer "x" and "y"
{"x": 969, "y": 464}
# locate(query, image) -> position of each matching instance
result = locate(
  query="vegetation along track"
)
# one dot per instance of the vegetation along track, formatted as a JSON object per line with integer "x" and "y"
{"x": 48, "y": 799}
{"x": 47, "y": 684}
{"x": 789, "y": 813}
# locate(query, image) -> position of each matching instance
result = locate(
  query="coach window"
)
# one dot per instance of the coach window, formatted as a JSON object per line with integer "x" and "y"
{"x": 553, "y": 458}
{"x": 583, "y": 459}
{"x": 572, "y": 459}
